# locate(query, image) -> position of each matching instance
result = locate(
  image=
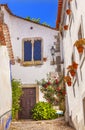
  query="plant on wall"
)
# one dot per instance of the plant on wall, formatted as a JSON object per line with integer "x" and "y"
{"x": 53, "y": 89}
{"x": 16, "y": 94}
{"x": 80, "y": 45}
{"x": 72, "y": 71}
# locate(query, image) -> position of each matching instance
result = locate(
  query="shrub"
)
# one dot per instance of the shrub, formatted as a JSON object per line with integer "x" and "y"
{"x": 43, "y": 111}
{"x": 53, "y": 90}
{"x": 16, "y": 94}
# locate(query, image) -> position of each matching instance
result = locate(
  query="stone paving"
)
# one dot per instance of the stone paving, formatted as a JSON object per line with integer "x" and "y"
{"x": 57, "y": 124}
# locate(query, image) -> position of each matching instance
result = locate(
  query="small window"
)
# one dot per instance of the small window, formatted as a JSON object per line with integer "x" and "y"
{"x": 32, "y": 52}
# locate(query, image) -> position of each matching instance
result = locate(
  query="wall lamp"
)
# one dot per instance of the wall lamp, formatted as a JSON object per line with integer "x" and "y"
{"x": 53, "y": 53}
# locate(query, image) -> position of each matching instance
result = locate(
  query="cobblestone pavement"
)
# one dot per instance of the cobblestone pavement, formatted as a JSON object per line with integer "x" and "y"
{"x": 57, "y": 124}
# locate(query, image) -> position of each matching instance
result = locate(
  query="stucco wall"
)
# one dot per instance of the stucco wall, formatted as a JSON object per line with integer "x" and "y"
{"x": 5, "y": 84}
{"x": 75, "y": 95}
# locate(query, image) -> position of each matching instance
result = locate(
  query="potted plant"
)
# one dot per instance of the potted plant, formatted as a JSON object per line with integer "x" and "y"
{"x": 44, "y": 59}
{"x": 80, "y": 45}
{"x": 68, "y": 11}
{"x": 67, "y": 79}
{"x": 65, "y": 27}
{"x": 72, "y": 68}
{"x": 80, "y": 49}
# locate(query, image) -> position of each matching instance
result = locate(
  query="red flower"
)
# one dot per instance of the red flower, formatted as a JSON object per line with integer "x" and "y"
{"x": 49, "y": 83}
{"x": 56, "y": 81}
{"x": 64, "y": 92}
{"x": 45, "y": 86}
{"x": 58, "y": 89}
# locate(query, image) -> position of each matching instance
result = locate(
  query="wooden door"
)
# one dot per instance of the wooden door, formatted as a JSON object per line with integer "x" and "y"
{"x": 27, "y": 102}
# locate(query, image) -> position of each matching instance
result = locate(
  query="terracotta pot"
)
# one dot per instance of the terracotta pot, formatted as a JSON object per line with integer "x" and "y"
{"x": 44, "y": 59}
{"x": 69, "y": 83}
{"x": 65, "y": 27}
{"x": 75, "y": 65}
{"x": 68, "y": 11}
{"x": 69, "y": 0}
{"x": 72, "y": 72}
{"x": 80, "y": 49}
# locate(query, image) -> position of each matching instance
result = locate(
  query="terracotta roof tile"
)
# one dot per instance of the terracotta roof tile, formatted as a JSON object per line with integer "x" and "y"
{"x": 60, "y": 3}
{"x": 8, "y": 43}
{"x": 5, "y": 37}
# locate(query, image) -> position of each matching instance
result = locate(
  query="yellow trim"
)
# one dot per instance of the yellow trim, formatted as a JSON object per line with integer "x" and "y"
{"x": 38, "y": 62}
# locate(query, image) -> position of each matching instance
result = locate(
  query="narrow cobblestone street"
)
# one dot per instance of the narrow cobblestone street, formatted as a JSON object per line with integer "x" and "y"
{"x": 57, "y": 124}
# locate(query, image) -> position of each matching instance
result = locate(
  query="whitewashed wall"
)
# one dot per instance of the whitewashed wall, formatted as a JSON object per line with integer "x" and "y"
{"x": 75, "y": 102}
{"x": 5, "y": 82}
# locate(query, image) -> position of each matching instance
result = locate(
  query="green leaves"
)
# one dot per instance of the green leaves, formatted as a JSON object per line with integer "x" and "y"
{"x": 43, "y": 111}
{"x": 16, "y": 94}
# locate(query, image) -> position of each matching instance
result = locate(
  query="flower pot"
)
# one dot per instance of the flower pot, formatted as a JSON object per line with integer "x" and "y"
{"x": 68, "y": 11}
{"x": 69, "y": 83}
{"x": 75, "y": 65}
{"x": 65, "y": 27}
{"x": 80, "y": 49}
{"x": 72, "y": 72}
{"x": 44, "y": 59}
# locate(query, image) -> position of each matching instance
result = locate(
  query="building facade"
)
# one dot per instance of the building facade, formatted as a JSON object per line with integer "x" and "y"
{"x": 6, "y": 57}
{"x": 32, "y": 44}
{"x": 70, "y": 23}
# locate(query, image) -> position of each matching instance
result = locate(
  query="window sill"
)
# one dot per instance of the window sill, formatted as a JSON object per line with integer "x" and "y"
{"x": 31, "y": 63}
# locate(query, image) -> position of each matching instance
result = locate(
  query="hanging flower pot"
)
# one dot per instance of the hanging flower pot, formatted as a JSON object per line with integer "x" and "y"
{"x": 75, "y": 65}
{"x": 80, "y": 49}
{"x": 68, "y": 11}
{"x": 44, "y": 59}
{"x": 65, "y": 27}
{"x": 72, "y": 72}
{"x": 69, "y": 83}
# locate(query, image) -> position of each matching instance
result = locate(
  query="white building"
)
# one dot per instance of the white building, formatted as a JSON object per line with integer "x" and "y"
{"x": 72, "y": 28}
{"x": 5, "y": 75}
{"x": 31, "y": 43}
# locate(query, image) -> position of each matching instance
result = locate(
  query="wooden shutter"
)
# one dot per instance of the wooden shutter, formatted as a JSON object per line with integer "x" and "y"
{"x": 37, "y": 50}
{"x": 27, "y": 51}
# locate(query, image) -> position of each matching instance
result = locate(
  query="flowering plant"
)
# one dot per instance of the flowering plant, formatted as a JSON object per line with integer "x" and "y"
{"x": 53, "y": 89}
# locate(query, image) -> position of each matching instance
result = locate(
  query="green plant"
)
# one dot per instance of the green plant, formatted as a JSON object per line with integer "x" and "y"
{"x": 16, "y": 94}
{"x": 37, "y": 20}
{"x": 43, "y": 111}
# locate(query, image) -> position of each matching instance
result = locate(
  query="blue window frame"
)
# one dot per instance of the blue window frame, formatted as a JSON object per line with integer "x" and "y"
{"x": 32, "y": 51}
{"x": 37, "y": 50}
{"x": 27, "y": 51}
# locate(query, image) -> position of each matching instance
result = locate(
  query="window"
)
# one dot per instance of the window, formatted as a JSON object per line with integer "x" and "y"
{"x": 32, "y": 51}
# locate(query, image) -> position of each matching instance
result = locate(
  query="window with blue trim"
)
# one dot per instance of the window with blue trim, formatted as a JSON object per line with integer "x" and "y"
{"x": 27, "y": 51}
{"x": 32, "y": 52}
{"x": 37, "y": 50}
